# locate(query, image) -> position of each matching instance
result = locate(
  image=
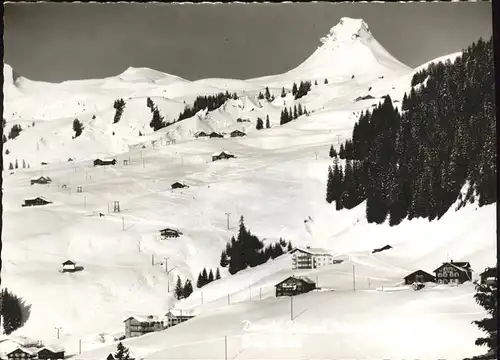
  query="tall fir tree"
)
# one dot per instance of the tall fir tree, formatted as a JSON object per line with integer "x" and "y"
{"x": 217, "y": 274}
{"x": 268, "y": 124}
{"x": 179, "y": 289}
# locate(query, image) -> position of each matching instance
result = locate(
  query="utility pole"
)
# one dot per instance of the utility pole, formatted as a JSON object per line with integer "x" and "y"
{"x": 250, "y": 292}
{"x": 166, "y": 271}
{"x": 228, "y": 300}
{"x": 85, "y": 201}
{"x": 58, "y": 328}
{"x": 123, "y": 223}
{"x": 153, "y": 259}
{"x": 80, "y": 346}
{"x": 108, "y": 208}
{"x": 353, "y": 279}
{"x": 260, "y": 294}
{"x": 227, "y": 214}
{"x": 291, "y": 307}
{"x": 225, "y": 347}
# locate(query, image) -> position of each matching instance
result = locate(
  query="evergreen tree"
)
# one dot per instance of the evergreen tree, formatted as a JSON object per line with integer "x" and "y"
{"x": 77, "y": 127}
{"x": 217, "y": 274}
{"x": 329, "y": 186}
{"x": 15, "y": 131}
{"x": 187, "y": 289}
{"x": 315, "y": 82}
{"x": 268, "y": 94}
{"x": 204, "y": 276}
{"x": 326, "y": 81}
{"x": 4, "y": 138}
{"x": 210, "y": 276}
{"x": 486, "y": 296}
{"x": 24, "y": 164}
{"x": 223, "y": 259}
{"x": 294, "y": 89}
{"x": 260, "y": 124}
{"x": 290, "y": 247}
{"x": 261, "y": 96}
{"x": 332, "y": 152}
{"x": 150, "y": 104}
{"x": 16, "y": 165}
{"x": 13, "y": 311}
{"x": 283, "y": 93}
{"x": 122, "y": 352}
{"x": 179, "y": 289}
{"x": 11, "y": 167}
{"x": 295, "y": 113}
{"x": 268, "y": 124}
{"x": 157, "y": 120}
{"x": 119, "y": 106}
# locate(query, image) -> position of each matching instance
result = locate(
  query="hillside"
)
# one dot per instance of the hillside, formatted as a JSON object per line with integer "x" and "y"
{"x": 276, "y": 181}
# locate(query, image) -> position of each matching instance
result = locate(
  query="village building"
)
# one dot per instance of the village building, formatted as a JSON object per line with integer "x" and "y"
{"x": 99, "y": 162}
{"x": 489, "y": 276}
{"x": 41, "y": 180}
{"x": 68, "y": 266}
{"x": 178, "y": 185}
{"x": 140, "y": 325}
{"x": 453, "y": 273}
{"x": 294, "y": 285}
{"x": 177, "y": 316}
{"x": 310, "y": 258}
{"x": 419, "y": 276}
{"x": 200, "y": 134}
{"x": 38, "y": 201}
{"x": 237, "y": 133}
{"x": 170, "y": 233}
{"x": 222, "y": 155}
{"x": 51, "y": 352}
{"x": 215, "y": 134}
{"x": 21, "y": 353}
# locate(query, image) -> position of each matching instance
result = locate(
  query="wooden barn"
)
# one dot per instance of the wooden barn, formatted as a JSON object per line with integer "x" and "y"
{"x": 419, "y": 276}
{"x": 38, "y": 201}
{"x": 200, "y": 134}
{"x": 178, "y": 185}
{"x": 21, "y": 353}
{"x": 453, "y": 273}
{"x": 99, "y": 162}
{"x": 170, "y": 233}
{"x": 294, "y": 285}
{"x": 41, "y": 180}
{"x": 215, "y": 134}
{"x": 222, "y": 155}
{"x": 237, "y": 133}
{"x": 51, "y": 352}
{"x": 68, "y": 266}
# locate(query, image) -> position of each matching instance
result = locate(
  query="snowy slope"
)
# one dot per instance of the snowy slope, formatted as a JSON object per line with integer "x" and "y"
{"x": 276, "y": 181}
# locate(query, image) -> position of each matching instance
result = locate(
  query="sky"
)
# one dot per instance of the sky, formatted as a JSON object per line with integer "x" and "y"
{"x": 69, "y": 41}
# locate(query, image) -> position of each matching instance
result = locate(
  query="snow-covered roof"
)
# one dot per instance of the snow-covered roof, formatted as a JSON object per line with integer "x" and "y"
{"x": 55, "y": 348}
{"x": 37, "y": 197}
{"x": 41, "y": 177}
{"x": 69, "y": 262}
{"x": 144, "y": 318}
{"x": 313, "y": 251}
{"x": 181, "y": 312}
{"x": 221, "y": 152}
{"x": 23, "y": 349}
{"x": 454, "y": 265}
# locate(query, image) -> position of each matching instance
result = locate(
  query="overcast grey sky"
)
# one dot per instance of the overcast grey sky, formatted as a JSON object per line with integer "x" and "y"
{"x": 57, "y": 42}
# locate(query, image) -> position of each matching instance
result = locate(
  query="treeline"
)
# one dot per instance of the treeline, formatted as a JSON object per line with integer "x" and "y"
{"x": 267, "y": 95}
{"x": 182, "y": 291}
{"x": 14, "y": 132}
{"x": 205, "y": 278}
{"x": 247, "y": 250}
{"x": 25, "y": 164}
{"x": 302, "y": 90}
{"x": 211, "y": 103}
{"x": 260, "y": 123}
{"x": 415, "y": 164}
{"x": 288, "y": 115}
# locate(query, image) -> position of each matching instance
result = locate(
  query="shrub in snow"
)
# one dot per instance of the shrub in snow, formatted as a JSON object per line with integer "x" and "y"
{"x": 77, "y": 128}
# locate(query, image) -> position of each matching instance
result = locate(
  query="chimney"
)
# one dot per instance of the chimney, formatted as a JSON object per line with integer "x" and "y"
{"x": 308, "y": 247}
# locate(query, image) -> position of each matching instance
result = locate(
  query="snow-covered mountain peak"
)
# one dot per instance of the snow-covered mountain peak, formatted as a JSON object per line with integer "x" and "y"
{"x": 347, "y": 30}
